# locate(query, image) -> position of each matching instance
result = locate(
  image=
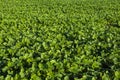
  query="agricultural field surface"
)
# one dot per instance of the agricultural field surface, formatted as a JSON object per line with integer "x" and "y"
{"x": 59, "y": 39}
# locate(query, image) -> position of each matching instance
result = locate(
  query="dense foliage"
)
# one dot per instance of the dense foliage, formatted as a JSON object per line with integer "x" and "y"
{"x": 59, "y": 39}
